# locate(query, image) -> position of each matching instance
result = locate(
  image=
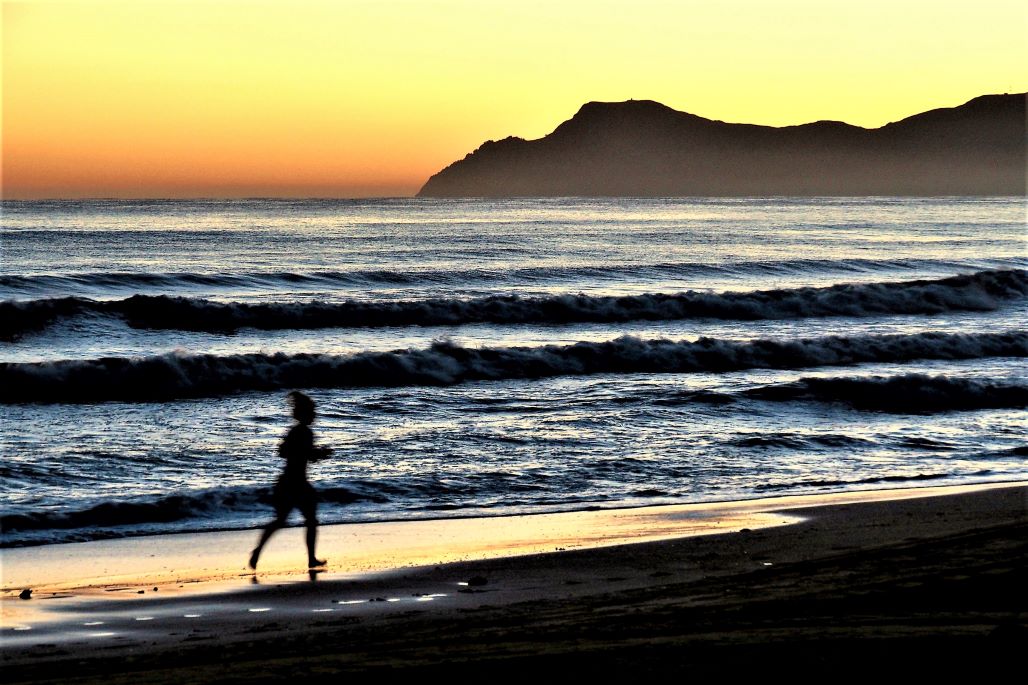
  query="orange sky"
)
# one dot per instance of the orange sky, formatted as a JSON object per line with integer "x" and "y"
{"x": 369, "y": 98}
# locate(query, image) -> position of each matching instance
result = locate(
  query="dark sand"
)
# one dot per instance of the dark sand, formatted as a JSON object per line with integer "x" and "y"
{"x": 932, "y": 586}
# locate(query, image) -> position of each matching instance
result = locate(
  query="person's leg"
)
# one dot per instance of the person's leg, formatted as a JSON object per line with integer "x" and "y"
{"x": 312, "y": 538}
{"x": 310, "y": 515}
{"x": 269, "y": 530}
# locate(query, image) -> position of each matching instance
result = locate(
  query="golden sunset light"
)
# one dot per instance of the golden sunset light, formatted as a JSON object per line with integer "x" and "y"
{"x": 343, "y": 99}
{"x": 480, "y": 340}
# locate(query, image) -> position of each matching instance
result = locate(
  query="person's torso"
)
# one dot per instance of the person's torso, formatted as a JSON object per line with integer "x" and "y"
{"x": 296, "y": 449}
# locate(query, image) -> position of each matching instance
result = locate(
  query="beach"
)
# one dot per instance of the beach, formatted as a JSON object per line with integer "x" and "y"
{"x": 924, "y": 580}
{"x": 749, "y": 435}
{"x": 605, "y": 342}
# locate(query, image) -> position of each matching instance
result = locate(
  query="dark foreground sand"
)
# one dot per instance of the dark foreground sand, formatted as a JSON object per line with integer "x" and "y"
{"x": 932, "y": 586}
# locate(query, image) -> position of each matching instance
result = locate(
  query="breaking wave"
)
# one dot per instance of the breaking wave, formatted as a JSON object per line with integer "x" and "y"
{"x": 34, "y": 283}
{"x": 179, "y": 376}
{"x": 981, "y": 291}
{"x": 827, "y": 483}
{"x": 798, "y": 440}
{"x": 906, "y": 394}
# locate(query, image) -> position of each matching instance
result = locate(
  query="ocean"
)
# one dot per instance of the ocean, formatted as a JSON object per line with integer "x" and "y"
{"x": 495, "y": 357}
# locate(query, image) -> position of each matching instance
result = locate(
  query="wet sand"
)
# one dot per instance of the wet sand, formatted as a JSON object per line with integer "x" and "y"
{"x": 924, "y": 581}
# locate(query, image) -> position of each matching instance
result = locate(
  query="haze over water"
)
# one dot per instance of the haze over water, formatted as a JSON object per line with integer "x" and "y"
{"x": 497, "y": 357}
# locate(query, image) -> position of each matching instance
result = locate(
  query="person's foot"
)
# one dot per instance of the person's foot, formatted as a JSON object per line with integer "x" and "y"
{"x": 314, "y": 563}
{"x": 254, "y": 556}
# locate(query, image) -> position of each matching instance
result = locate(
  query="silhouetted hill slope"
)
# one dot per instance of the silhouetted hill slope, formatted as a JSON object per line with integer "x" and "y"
{"x": 643, "y": 148}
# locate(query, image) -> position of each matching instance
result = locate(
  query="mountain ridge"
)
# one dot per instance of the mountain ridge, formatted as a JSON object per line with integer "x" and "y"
{"x": 644, "y": 148}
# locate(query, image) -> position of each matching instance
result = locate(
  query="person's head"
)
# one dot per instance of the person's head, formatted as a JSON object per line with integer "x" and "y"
{"x": 303, "y": 407}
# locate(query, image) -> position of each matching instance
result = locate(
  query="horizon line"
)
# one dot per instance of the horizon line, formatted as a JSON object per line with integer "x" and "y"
{"x": 505, "y": 198}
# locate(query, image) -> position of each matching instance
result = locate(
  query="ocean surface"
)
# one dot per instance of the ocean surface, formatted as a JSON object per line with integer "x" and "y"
{"x": 500, "y": 357}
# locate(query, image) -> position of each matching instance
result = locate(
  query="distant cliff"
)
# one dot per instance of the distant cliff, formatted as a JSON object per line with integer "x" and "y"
{"x": 645, "y": 149}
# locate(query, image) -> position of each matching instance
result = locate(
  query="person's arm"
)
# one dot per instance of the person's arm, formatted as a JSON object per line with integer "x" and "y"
{"x": 318, "y": 452}
{"x": 315, "y": 452}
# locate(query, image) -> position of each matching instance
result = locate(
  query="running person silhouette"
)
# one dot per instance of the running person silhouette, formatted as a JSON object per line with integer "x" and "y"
{"x": 292, "y": 491}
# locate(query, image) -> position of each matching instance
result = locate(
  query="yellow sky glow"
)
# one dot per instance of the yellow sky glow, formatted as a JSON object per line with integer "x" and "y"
{"x": 369, "y": 98}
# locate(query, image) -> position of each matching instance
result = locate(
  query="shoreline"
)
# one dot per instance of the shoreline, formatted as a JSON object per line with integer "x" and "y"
{"x": 586, "y": 507}
{"x": 81, "y": 566}
{"x": 941, "y": 545}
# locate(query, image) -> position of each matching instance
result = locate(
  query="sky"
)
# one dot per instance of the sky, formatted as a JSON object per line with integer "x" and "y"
{"x": 370, "y": 98}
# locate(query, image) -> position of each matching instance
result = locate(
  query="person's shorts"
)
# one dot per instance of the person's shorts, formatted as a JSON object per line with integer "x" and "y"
{"x": 288, "y": 496}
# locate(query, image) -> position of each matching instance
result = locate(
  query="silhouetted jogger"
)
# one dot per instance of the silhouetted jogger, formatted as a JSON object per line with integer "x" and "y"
{"x": 292, "y": 490}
